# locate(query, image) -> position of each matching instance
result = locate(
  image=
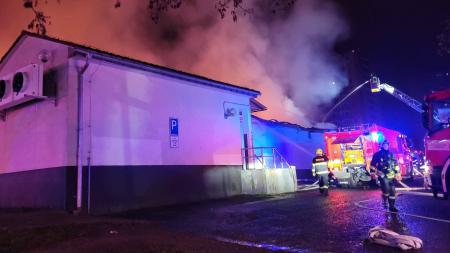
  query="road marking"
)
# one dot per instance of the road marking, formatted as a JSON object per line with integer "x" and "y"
{"x": 358, "y": 204}
{"x": 271, "y": 247}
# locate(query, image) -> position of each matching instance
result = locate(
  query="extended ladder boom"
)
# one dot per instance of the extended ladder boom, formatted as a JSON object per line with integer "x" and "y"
{"x": 376, "y": 86}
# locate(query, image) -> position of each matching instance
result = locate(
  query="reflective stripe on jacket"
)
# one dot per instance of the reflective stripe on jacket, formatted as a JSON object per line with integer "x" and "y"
{"x": 385, "y": 163}
{"x": 320, "y": 165}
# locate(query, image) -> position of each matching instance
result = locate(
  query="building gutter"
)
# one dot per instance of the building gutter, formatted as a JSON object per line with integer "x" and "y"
{"x": 79, "y": 155}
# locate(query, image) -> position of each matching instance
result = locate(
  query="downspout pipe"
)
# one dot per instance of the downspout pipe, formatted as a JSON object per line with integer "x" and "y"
{"x": 79, "y": 155}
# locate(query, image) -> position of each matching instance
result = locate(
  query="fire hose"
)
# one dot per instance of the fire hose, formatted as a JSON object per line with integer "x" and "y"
{"x": 310, "y": 187}
{"x": 386, "y": 237}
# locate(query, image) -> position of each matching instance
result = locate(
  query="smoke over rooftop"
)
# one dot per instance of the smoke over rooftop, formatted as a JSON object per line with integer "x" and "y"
{"x": 288, "y": 56}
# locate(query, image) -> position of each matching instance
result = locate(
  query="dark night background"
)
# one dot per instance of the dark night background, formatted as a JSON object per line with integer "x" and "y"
{"x": 397, "y": 41}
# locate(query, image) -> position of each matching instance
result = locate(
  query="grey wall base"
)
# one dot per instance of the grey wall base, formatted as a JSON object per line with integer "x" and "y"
{"x": 108, "y": 189}
{"x": 43, "y": 188}
{"x": 119, "y": 188}
{"x": 268, "y": 181}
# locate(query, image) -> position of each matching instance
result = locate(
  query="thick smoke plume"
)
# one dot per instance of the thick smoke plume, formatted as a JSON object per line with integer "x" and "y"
{"x": 288, "y": 56}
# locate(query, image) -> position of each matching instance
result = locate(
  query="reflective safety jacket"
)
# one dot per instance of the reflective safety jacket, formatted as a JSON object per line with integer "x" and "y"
{"x": 385, "y": 163}
{"x": 320, "y": 165}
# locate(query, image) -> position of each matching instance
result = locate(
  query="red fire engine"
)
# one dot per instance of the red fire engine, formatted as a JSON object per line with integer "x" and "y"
{"x": 436, "y": 119}
{"x": 350, "y": 151}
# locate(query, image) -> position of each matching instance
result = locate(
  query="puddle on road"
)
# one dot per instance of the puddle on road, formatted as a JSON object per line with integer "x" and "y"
{"x": 271, "y": 247}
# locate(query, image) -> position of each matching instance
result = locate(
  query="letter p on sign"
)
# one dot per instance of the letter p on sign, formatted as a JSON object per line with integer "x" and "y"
{"x": 173, "y": 126}
{"x": 173, "y": 129}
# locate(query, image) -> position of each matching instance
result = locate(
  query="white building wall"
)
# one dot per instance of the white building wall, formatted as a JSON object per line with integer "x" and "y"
{"x": 36, "y": 135}
{"x": 129, "y": 110}
{"x": 125, "y": 131}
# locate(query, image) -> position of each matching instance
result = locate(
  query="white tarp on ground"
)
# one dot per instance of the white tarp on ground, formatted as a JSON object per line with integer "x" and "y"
{"x": 386, "y": 237}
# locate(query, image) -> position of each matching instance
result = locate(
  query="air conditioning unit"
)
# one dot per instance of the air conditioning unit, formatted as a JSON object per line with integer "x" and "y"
{"x": 5, "y": 92}
{"x": 23, "y": 85}
{"x": 27, "y": 84}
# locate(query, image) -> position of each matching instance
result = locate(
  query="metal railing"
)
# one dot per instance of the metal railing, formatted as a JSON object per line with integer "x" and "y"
{"x": 263, "y": 158}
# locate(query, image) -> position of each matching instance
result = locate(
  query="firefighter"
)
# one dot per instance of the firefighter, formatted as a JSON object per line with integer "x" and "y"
{"x": 320, "y": 169}
{"x": 386, "y": 168}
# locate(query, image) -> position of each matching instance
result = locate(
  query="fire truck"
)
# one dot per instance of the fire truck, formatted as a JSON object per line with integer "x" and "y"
{"x": 350, "y": 151}
{"x": 436, "y": 119}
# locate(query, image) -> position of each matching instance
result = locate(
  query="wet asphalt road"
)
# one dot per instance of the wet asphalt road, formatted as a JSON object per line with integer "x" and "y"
{"x": 308, "y": 222}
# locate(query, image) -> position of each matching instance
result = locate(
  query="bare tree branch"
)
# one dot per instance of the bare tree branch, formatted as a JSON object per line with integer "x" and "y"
{"x": 234, "y": 8}
{"x": 40, "y": 21}
{"x": 157, "y": 7}
{"x": 237, "y": 8}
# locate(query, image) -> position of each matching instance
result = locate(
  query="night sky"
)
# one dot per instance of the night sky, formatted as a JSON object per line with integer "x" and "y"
{"x": 399, "y": 40}
{"x": 395, "y": 40}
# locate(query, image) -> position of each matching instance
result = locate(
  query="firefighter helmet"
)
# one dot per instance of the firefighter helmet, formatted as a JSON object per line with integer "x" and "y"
{"x": 385, "y": 142}
{"x": 319, "y": 151}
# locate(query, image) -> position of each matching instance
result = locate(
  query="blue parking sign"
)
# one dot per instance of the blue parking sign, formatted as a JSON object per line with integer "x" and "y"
{"x": 173, "y": 126}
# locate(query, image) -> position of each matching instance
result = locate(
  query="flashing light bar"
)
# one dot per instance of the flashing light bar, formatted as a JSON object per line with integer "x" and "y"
{"x": 375, "y": 136}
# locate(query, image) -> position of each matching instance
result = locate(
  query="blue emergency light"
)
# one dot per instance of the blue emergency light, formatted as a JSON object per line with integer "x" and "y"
{"x": 377, "y": 136}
